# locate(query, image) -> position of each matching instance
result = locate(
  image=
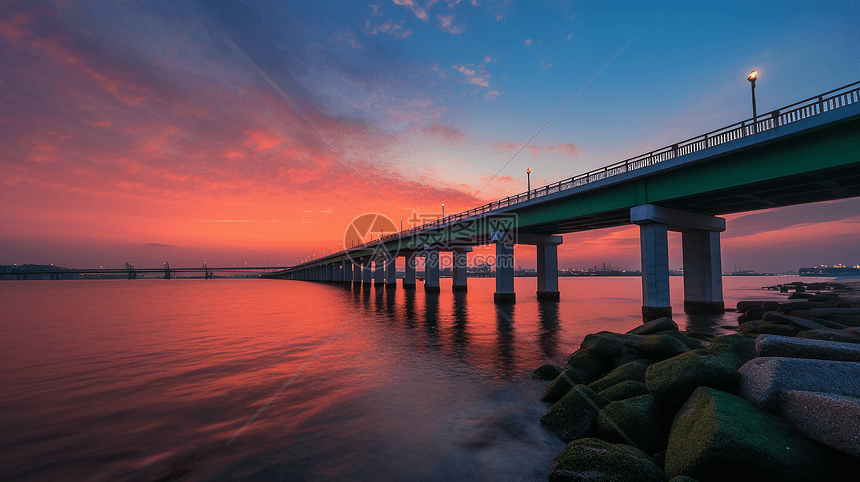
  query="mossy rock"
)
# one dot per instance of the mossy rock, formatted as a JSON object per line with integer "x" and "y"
{"x": 658, "y": 325}
{"x": 642, "y": 419}
{"x": 683, "y": 337}
{"x": 683, "y": 478}
{"x": 774, "y": 328}
{"x": 751, "y": 327}
{"x": 624, "y": 390}
{"x": 660, "y": 347}
{"x": 573, "y": 416}
{"x": 717, "y": 436}
{"x": 607, "y": 345}
{"x": 679, "y": 376}
{"x": 625, "y": 358}
{"x": 546, "y": 372}
{"x": 581, "y": 368}
{"x": 592, "y": 459}
{"x": 742, "y": 348}
{"x": 634, "y": 370}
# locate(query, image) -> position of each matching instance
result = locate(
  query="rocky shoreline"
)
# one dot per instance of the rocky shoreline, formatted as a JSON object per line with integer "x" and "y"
{"x": 779, "y": 400}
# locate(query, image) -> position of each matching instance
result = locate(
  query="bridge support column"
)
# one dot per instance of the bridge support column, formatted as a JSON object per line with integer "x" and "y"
{"x": 547, "y": 273}
{"x": 379, "y": 273}
{"x": 409, "y": 278}
{"x": 346, "y": 266}
{"x": 459, "y": 271}
{"x": 431, "y": 271}
{"x": 703, "y": 278}
{"x": 700, "y": 238}
{"x": 356, "y": 270}
{"x": 504, "y": 272}
{"x": 366, "y": 270}
{"x": 391, "y": 272}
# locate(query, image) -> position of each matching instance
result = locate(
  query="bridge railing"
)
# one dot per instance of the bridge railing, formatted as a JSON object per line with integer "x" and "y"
{"x": 813, "y": 106}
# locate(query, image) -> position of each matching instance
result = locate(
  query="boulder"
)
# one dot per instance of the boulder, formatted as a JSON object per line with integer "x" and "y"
{"x": 776, "y": 328}
{"x": 717, "y": 436}
{"x": 809, "y": 305}
{"x": 828, "y": 323}
{"x": 683, "y": 478}
{"x": 833, "y": 420}
{"x": 678, "y": 377}
{"x": 546, "y": 372}
{"x": 782, "y": 346}
{"x": 654, "y": 326}
{"x": 624, "y": 390}
{"x": 686, "y": 339}
{"x": 800, "y": 322}
{"x": 751, "y": 327}
{"x": 741, "y": 348}
{"x": 625, "y": 358}
{"x": 639, "y": 419}
{"x": 847, "y": 320}
{"x": 845, "y": 336}
{"x": 592, "y": 459}
{"x": 744, "y": 306}
{"x": 606, "y": 345}
{"x": 573, "y": 416}
{"x": 660, "y": 347}
{"x": 755, "y": 313}
{"x": 764, "y": 378}
{"x": 819, "y": 312}
{"x": 582, "y": 367}
{"x": 634, "y": 370}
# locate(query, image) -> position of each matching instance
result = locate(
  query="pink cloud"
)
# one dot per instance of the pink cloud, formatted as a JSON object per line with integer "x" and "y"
{"x": 563, "y": 148}
{"x": 506, "y": 146}
{"x": 444, "y": 132}
{"x": 479, "y": 81}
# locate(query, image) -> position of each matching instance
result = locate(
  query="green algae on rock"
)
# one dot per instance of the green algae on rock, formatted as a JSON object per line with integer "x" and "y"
{"x": 717, "y": 436}
{"x": 594, "y": 459}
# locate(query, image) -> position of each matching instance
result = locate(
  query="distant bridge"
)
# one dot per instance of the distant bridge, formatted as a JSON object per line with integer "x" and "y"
{"x": 132, "y": 272}
{"x": 806, "y": 152}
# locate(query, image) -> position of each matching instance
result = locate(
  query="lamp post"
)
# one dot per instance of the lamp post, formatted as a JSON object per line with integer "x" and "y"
{"x": 443, "y": 211}
{"x": 751, "y": 78}
{"x": 529, "y": 181}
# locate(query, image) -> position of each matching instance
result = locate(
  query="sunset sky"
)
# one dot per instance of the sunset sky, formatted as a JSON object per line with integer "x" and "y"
{"x": 135, "y": 131}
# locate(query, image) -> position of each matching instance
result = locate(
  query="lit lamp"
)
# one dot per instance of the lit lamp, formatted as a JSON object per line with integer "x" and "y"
{"x": 751, "y": 78}
{"x": 443, "y": 211}
{"x": 529, "y": 181}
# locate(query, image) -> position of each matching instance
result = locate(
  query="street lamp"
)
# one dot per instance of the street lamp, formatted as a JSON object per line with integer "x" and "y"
{"x": 751, "y": 78}
{"x": 529, "y": 178}
{"x": 443, "y": 211}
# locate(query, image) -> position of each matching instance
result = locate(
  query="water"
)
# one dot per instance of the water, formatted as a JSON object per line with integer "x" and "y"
{"x": 128, "y": 380}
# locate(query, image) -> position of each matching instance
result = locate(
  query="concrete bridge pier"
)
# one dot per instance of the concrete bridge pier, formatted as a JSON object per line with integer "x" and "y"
{"x": 431, "y": 271}
{"x": 547, "y": 273}
{"x": 366, "y": 273}
{"x": 346, "y": 267}
{"x": 409, "y": 278}
{"x": 356, "y": 270}
{"x": 504, "y": 268}
{"x": 379, "y": 272}
{"x": 700, "y": 238}
{"x": 458, "y": 270}
{"x": 391, "y": 272}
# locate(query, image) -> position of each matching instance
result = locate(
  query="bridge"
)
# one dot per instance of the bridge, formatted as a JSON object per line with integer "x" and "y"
{"x": 56, "y": 272}
{"x": 806, "y": 152}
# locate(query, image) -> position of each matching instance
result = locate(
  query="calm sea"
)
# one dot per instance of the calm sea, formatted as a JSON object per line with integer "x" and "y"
{"x": 288, "y": 380}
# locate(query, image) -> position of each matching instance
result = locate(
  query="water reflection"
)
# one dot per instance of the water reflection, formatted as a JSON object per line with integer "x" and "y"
{"x": 460, "y": 337}
{"x": 409, "y": 307}
{"x": 505, "y": 337}
{"x": 549, "y": 328}
{"x": 431, "y": 319}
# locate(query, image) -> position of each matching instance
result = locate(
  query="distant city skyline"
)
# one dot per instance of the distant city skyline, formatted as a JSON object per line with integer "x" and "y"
{"x": 141, "y": 132}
